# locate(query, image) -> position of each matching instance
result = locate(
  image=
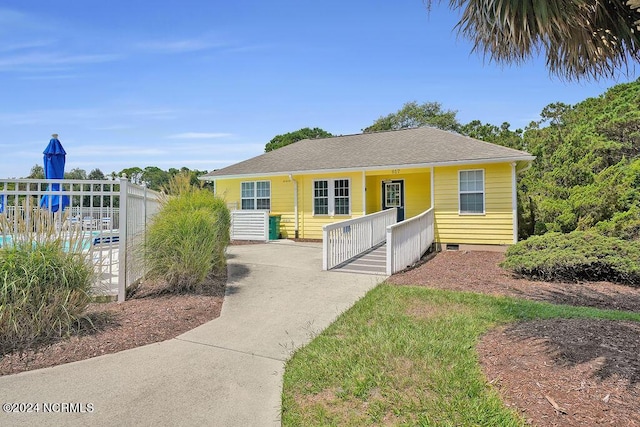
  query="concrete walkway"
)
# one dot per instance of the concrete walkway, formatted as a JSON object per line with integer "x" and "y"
{"x": 227, "y": 372}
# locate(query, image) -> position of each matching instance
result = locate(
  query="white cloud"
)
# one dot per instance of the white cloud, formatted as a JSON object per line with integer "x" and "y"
{"x": 9, "y": 18}
{"x": 108, "y": 150}
{"x": 25, "y": 45}
{"x": 179, "y": 46}
{"x": 63, "y": 116}
{"x": 37, "y": 59}
{"x": 199, "y": 135}
{"x": 49, "y": 77}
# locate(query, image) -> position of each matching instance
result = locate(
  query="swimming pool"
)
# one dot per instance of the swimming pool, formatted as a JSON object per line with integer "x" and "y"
{"x": 87, "y": 240}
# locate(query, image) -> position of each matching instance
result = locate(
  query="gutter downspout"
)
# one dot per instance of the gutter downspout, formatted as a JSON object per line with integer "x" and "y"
{"x": 295, "y": 204}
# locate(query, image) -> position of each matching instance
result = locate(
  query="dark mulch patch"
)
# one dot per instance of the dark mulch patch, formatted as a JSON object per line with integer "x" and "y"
{"x": 151, "y": 315}
{"x": 590, "y": 369}
{"x": 577, "y": 341}
{"x": 477, "y": 271}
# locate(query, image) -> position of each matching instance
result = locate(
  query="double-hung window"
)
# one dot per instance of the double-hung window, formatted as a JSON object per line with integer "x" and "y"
{"x": 471, "y": 185}
{"x": 256, "y": 195}
{"x": 331, "y": 197}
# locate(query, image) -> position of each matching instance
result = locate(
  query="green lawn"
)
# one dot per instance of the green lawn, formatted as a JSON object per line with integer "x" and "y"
{"x": 406, "y": 355}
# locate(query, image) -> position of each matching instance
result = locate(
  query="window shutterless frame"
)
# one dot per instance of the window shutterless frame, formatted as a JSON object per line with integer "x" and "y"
{"x": 332, "y": 197}
{"x": 255, "y": 195}
{"x": 471, "y": 192}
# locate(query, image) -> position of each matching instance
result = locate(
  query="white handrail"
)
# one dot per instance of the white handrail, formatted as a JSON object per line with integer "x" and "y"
{"x": 408, "y": 240}
{"x": 344, "y": 240}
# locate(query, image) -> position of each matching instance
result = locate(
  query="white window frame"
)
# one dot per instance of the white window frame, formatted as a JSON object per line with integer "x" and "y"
{"x": 483, "y": 192}
{"x": 254, "y": 197}
{"x": 331, "y": 186}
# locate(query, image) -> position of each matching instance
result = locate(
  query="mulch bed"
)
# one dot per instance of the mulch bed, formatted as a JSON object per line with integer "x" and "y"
{"x": 558, "y": 372}
{"x": 150, "y": 316}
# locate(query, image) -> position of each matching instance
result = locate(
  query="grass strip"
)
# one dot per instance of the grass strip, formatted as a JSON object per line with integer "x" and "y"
{"x": 406, "y": 355}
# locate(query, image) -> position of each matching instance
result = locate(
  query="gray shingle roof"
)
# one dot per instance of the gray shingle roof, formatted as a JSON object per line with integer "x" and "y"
{"x": 422, "y": 146}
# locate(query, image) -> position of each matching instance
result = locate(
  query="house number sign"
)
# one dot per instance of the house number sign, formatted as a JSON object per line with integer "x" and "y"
{"x": 395, "y": 171}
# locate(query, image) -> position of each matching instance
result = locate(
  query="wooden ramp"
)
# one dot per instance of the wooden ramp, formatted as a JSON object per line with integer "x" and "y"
{"x": 371, "y": 262}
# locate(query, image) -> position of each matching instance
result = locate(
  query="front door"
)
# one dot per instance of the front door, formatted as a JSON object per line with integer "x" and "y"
{"x": 393, "y": 196}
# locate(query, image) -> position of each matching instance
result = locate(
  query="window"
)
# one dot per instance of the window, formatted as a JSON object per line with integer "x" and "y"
{"x": 331, "y": 197}
{"x": 321, "y": 197}
{"x": 256, "y": 195}
{"x": 472, "y": 192}
{"x": 341, "y": 196}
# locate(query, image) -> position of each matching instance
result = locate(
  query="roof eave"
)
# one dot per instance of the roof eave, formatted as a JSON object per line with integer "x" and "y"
{"x": 527, "y": 158}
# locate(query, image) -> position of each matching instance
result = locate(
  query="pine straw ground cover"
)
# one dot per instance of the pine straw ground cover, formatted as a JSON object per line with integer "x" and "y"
{"x": 555, "y": 372}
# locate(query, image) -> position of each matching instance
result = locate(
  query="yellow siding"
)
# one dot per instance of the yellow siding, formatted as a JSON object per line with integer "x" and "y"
{"x": 417, "y": 189}
{"x": 282, "y": 201}
{"x": 374, "y": 203}
{"x": 495, "y": 226}
{"x": 281, "y": 198}
{"x": 310, "y": 224}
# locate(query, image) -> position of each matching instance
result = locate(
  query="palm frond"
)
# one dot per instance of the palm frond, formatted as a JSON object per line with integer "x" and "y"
{"x": 580, "y": 38}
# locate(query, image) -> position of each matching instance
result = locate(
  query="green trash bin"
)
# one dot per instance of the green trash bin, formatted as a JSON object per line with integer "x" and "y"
{"x": 274, "y": 227}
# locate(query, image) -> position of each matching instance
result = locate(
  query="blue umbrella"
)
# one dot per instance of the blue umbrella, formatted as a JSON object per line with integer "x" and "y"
{"x": 54, "y": 159}
{"x": 1, "y": 203}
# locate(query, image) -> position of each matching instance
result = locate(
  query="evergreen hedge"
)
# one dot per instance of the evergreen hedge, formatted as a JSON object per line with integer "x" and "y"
{"x": 576, "y": 256}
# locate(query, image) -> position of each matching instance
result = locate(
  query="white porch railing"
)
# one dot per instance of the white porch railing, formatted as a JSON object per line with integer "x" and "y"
{"x": 344, "y": 240}
{"x": 408, "y": 240}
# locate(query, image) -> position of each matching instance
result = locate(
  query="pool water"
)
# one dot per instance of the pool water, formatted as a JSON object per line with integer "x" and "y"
{"x": 88, "y": 238}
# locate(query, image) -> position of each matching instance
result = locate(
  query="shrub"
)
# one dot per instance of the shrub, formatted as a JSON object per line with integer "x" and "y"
{"x": 45, "y": 288}
{"x": 579, "y": 255}
{"x": 188, "y": 238}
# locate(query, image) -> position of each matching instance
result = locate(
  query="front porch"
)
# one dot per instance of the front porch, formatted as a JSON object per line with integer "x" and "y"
{"x": 410, "y": 191}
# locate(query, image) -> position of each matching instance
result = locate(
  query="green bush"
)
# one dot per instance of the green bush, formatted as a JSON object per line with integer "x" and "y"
{"x": 45, "y": 290}
{"x": 188, "y": 238}
{"x": 580, "y": 255}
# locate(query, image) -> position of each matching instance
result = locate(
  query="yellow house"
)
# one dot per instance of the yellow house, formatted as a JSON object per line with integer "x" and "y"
{"x": 471, "y": 184}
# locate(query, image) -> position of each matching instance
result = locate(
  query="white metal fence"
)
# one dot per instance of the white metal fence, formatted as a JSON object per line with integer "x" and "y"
{"x": 344, "y": 240}
{"x": 110, "y": 215}
{"x": 137, "y": 206}
{"x": 408, "y": 240}
{"x": 250, "y": 225}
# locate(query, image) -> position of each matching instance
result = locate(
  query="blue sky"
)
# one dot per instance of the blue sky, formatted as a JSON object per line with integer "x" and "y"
{"x": 204, "y": 84}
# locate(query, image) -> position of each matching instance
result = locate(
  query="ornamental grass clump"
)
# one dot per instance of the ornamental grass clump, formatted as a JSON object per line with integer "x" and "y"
{"x": 45, "y": 281}
{"x": 576, "y": 256}
{"x": 187, "y": 239}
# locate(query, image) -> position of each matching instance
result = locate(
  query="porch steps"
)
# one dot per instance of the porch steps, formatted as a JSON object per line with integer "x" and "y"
{"x": 372, "y": 262}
